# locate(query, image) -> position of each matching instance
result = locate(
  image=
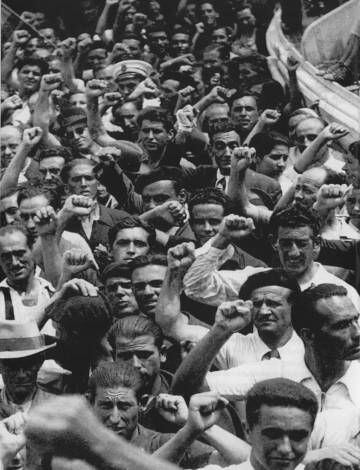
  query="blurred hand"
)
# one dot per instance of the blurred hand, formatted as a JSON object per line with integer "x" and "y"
{"x": 50, "y": 81}
{"x": 12, "y": 102}
{"x": 235, "y": 315}
{"x": 95, "y": 88}
{"x": 233, "y": 228}
{"x": 45, "y": 220}
{"x": 181, "y": 257}
{"x": 32, "y": 136}
{"x": 205, "y": 410}
{"x": 172, "y": 408}
{"x": 75, "y": 261}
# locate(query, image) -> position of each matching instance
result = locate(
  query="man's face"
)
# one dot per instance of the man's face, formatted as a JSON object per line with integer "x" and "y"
{"x": 118, "y": 410}
{"x": 271, "y": 309}
{"x": 308, "y": 185}
{"x": 134, "y": 47}
{"x": 157, "y": 193}
{"x": 306, "y": 132}
{"x": 78, "y": 136}
{"x": 211, "y": 59}
{"x": 51, "y": 167}
{"x": 126, "y": 116}
{"x": 78, "y": 100}
{"x": 129, "y": 243}
{"x": 9, "y": 209}
{"x": 96, "y": 59}
{"x": 245, "y": 19}
{"x": 15, "y": 257}
{"x": 208, "y": 14}
{"x": 32, "y": 46}
{"x": 159, "y": 43}
{"x": 279, "y": 439}
{"x": 217, "y": 114}
{"x": 39, "y": 19}
{"x": 353, "y": 204}
{"x": 297, "y": 249}
{"x": 48, "y": 35}
{"x": 28, "y": 208}
{"x": 338, "y": 338}
{"x": 244, "y": 113}
{"x": 205, "y": 221}
{"x": 29, "y": 78}
{"x": 223, "y": 146}
{"x": 180, "y": 44}
{"x": 142, "y": 353}
{"x": 219, "y": 36}
{"x": 273, "y": 164}
{"x": 82, "y": 181}
{"x": 125, "y": 86}
{"x": 352, "y": 168}
{"x": 153, "y": 136}
{"x": 119, "y": 291}
{"x": 147, "y": 282}
{"x": 10, "y": 140}
{"x": 20, "y": 375}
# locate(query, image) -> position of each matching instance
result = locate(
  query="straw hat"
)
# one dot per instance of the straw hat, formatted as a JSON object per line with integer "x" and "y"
{"x": 19, "y": 340}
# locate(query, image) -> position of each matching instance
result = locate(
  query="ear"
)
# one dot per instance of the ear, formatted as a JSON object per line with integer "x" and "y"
{"x": 171, "y": 134}
{"x": 163, "y": 353}
{"x": 316, "y": 249}
{"x": 307, "y": 335}
{"x": 272, "y": 241}
{"x": 182, "y": 196}
{"x": 247, "y": 433}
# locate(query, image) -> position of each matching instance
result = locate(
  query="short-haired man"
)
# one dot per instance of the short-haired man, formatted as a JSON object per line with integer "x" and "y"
{"x": 244, "y": 113}
{"x": 51, "y": 161}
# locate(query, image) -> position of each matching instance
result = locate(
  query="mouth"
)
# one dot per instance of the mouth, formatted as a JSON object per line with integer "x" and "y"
{"x": 353, "y": 353}
{"x": 85, "y": 192}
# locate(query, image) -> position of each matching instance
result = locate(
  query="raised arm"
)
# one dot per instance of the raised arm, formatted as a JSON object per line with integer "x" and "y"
{"x": 68, "y": 47}
{"x": 267, "y": 120}
{"x": 103, "y": 20}
{"x": 20, "y": 38}
{"x": 9, "y": 181}
{"x": 191, "y": 375}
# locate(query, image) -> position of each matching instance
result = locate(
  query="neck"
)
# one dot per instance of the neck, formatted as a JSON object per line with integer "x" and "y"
{"x": 274, "y": 339}
{"x": 307, "y": 275}
{"x": 24, "y": 285}
{"x": 326, "y": 371}
{"x": 356, "y": 222}
{"x": 20, "y": 399}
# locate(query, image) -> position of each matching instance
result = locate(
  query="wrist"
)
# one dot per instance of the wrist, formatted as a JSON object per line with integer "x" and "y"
{"x": 220, "y": 242}
{"x": 190, "y": 431}
{"x": 222, "y": 329}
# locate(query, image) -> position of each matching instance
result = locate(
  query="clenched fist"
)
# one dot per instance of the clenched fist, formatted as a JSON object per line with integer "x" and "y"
{"x": 235, "y": 316}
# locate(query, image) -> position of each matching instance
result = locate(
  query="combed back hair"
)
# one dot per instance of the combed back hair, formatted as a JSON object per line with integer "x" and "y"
{"x": 56, "y": 151}
{"x": 209, "y": 196}
{"x": 241, "y": 94}
{"x": 315, "y": 118}
{"x": 294, "y": 217}
{"x": 37, "y": 187}
{"x": 115, "y": 374}
{"x": 304, "y": 314}
{"x": 272, "y": 277}
{"x": 116, "y": 269}
{"x": 32, "y": 61}
{"x": 129, "y": 35}
{"x": 147, "y": 260}
{"x": 158, "y": 28}
{"x": 14, "y": 228}
{"x": 65, "y": 172}
{"x": 133, "y": 326}
{"x": 279, "y": 392}
{"x": 306, "y": 112}
{"x": 164, "y": 173}
{"x": 354, "y": 149}
{"x": 264, "y": 142}
{"x": 156, "y": 115}
{"x": 220, "y": 127}
{"x": 131, "y": 222}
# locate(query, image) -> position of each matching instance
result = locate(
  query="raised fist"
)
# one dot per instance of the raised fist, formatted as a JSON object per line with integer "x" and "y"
{"x": 21, "y": 37}
{"x": 76, "y": 261}
{"x": 181, "y": 257}
{"x": 205, "y": 410}
{"x": 292, "y": 63}
{"x": 108, "y": 155}
{"x": 330, "y": 196}
{"x": 200, "y": 27}
{"x": 334, "y": 131}
{"x": 45, "y": 220}
{"x": 112, "y": 98}
{"x": 234, "y": 227}
{"x": 145, "y": 88}
{"x": 32, "y": 136}
{"x": 234, "y": 315}
{"x": 242, "y": 158}
{"x": 68, "y": 47}
{"x": 172, "y": 212}
{"x": 172, "y": 408}
{"x": 78, "y": 205}
{"x": 269, "y": 117}
{"x": 84, "y": 45}
{"x": 50, "y": 81}
{"x": 12, "y": 102}
{"x": 95, "y": 88}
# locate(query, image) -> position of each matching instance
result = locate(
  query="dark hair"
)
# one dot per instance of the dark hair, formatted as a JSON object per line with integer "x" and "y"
{"x": 220, "y": 48}
{"x": 181, "y": 30}
{"x": 65, "y": 172}
{"x": 271, "y": 277}
{"x": 56, "y": 151}
{"x": 209, "y": 196}
{"x": 36, "y": 187}
{"x": 294, "y": 217}
{"x": 354, "y": 149}
{"x": 304, "y": 313}
{"x": 161, "y": 174}
{"x": 220, "y": 127}
{"x": 132, "y": 327}
{"x": 156, "y": 115}
{"x": 129, "y": 35}
{"x": 272, "y": 94}
{"x": 131, "y": 222}
{"x": 114, "y": 374}
{"x": 265, "y": 142}
{"x": 279, "y": 392}
{"x": 32, "y": 61}
{"x": 241, "y": 94}
{"x": 116, "y": 269}
{"x": 17, "y": 227}
{"x": 97, "y": 45}
{"x": 157, "y": 28}
{"x": 147, "y": 260}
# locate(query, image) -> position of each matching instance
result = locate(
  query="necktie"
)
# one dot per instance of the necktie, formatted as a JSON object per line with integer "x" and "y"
{"x": 271, "y": 354}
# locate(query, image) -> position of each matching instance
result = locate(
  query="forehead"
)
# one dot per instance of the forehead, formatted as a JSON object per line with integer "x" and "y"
{"x": 295, "y": 233}
{"x": 116, "y": 279}
{"x": 81, "y": 169}
{"x": 115, "y": 394}
{"x": 33, "y": 203}
{"x": 180, "y": 37}
{"x": 128, "y": 108}
{"x": 162, "y": 186}
{"x": 309, "y": 125}
{"x": 153, "y": 124}
{"x": 206, "y": 6}
{"x": 217, "y": 111}
{"x": 77, "y": 96}
{"x": 10, "y": 134}
{"x": 140, "y": 342}
{"x": 285, "y": 417}
{"x": 244, "y": 13}
{"x": 135, "y": 233}
{"x": 14, "y": 240}
{"x": 131, "y": 42}
{"x": 276, "y": 291}
{"x": 245, "y": 101}
{"x": 313, "y": 177}
{"x": 336, "y": 308}
{"x": 158, "y": 34}
{"x": 148, "y": 273}
{"x": 97, "y": 52}
{"x": 207, "y": 210}
{"x": 227, "y": 136}
{"x": 30, "y": 68}
{"x": 55, "y": 161}
{"x": 280, "y": 148}
{"x": 9, "y": 201}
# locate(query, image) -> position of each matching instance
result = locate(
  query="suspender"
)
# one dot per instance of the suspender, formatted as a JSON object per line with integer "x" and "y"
{"x": 9, "y": 309}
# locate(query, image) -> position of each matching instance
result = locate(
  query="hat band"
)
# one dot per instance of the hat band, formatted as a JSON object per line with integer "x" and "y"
{"x": 22, "y": 344}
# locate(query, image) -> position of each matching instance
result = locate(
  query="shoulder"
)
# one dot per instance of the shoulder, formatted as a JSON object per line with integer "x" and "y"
{"x": 112, "y": 214}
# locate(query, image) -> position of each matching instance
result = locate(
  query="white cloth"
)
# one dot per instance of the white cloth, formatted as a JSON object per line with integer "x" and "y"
{"x": 222, "y": 182}
{"x": 242, "y": 466}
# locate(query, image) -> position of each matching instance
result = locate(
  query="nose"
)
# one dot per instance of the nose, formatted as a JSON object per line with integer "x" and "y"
{"x": 30, "y": 224}
{"x": 228, "y": 151}
{"x": 281, "y": 163}
{"x": 357, "y": 205}
{"x": 207, "y": 227}
{"x": 294, "y": 250}
{"x": 151, "y": 134}
{"x": 21, "y": 373}
{"x": 7, "y": 151}
{"x": 298, "y": 196}
{"x": 150, "y": 205}
{"x": 83, "y": 182}
{"x": 264, "y": 309}
{"x": 284, "y": 446}
{"x": 355, "y": 333}
{"x": 136, "y": 362}
{"x": 48, "y": 176}
{"x": 115, "y": 415}
{"x": 76, "y": 134}
{"x": 148, "y": 291}
{"x": 131, "y": 249}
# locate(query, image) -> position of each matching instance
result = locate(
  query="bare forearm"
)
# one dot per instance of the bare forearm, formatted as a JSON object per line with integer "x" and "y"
{"x": 68, "y": 74}
{"x": 309, "y": 155}
{"x": 168, "y": 306}
{"x": 7, "y": 64}
{"x": 230, "y": 447}
{"x": 52, "y": 259}
{"x": 103, "y": 20}
{"x": 296, "y": 97}
{"x": 12, "y": 172}
{"x": 41, "y": 116}
{"x": 174, "y": 449}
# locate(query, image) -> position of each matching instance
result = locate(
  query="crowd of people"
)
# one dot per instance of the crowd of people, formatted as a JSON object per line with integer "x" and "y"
{"x": 179, "y": 245}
